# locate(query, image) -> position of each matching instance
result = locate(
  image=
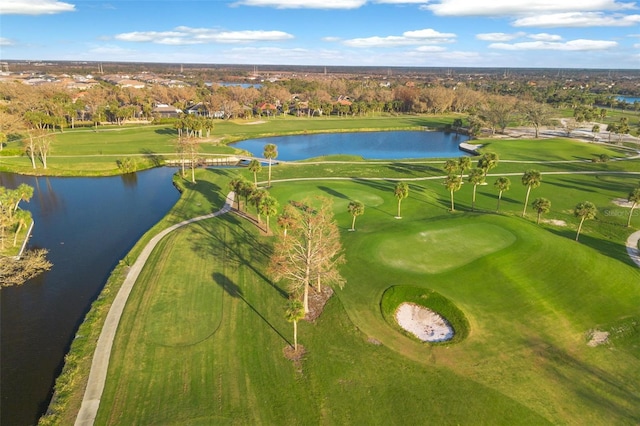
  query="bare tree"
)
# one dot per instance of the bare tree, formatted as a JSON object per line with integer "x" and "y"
{"x": 311, "y": 250}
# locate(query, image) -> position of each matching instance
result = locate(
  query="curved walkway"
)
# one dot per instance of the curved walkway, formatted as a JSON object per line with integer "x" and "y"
{"x": 632, "y": 247}
{"x": 100, "y": 363}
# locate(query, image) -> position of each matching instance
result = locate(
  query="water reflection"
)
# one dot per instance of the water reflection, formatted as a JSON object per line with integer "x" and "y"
{"x": 88, "y": 225}
{"x": 369, "y": 145}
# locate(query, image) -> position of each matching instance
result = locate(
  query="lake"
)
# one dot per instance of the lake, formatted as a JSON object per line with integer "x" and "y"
{"x": 393, "y": 145}
{"x": 88, "y": 225}
{"x": 628, "y": 99}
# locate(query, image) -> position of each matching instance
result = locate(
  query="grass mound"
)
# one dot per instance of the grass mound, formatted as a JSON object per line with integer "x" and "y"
{"x": 396, "y": 295}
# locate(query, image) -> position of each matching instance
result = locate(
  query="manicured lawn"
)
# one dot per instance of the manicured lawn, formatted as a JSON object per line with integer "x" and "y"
{"x": 202, "y": 337}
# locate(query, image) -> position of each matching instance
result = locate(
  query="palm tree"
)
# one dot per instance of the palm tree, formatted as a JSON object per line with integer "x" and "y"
{"x": 501, "y": 184}
{"x": 255, "y": 167}
{"x": 634, "y": 198}
{"x": 287, "y": 218}
{"x": 256, "y": 196}
{"x": 23, "y": 192}
{"x": 356, "y": 208}
{"x": 401, "y": 192}
{"x": 595, "y": 130}
{"x": 453, "y": 183}
{"x": 476, "y": 177}
{"x": 236, "y": 184}
{"x": 268, "y": 207}
{"x": 270, "y": 152}
{"x": 464, "y": 163}
{"x": 541, "y": 205}
{"x": 488, "y": 161}
{"x": 584, "y": 210}
{"x": 21, "y": 217}
{"x": 294, "y": 312}
{"x": 530, "y": 179}
{"x": 451, "y": 166}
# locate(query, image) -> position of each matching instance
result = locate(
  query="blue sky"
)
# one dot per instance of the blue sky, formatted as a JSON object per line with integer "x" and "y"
{"x": 422, "y": 33}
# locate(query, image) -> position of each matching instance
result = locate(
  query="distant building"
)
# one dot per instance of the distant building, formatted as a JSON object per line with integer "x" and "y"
{"x": 166, "y": 111}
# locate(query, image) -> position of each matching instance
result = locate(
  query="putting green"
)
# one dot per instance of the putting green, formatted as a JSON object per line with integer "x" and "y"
{"x": 441, "y": 249}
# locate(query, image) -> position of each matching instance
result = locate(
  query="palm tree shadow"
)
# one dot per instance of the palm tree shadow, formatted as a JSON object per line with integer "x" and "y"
{"x": 233, "y": 250}
{"x": 333, "y": 192}
{"x": 610, "y": 249}
{"x": 233, "y": 290}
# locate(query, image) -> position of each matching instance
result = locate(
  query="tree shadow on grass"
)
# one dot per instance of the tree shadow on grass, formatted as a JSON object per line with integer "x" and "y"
{"x": 333, "y": 192}
{"x": 414, "y": 169}
{"x": 595, "y": 386}
{"x": 235, "y": 291}
{"x": 610, "y": 249}
{"x": 166, "y": 131}
{"x": 154, "y": 158}
{"x": 225, "y": 239}
{"x": 565, "y": 184}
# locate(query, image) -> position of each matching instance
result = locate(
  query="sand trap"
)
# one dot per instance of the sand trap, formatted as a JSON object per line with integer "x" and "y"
{"x": 423, "y": 323}
{"x": 555, "y": 222}
{"x": 255, "y": 122}
{"x": 598, "y": 338}
{"x": 622, "y": 202}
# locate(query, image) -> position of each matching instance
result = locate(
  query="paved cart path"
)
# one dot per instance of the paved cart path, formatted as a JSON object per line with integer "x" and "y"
{"x": 100, "y": 363}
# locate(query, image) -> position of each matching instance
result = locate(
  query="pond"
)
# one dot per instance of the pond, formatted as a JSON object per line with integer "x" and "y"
{"x": 88, "y": 225}
{"x": 393, "y": 145}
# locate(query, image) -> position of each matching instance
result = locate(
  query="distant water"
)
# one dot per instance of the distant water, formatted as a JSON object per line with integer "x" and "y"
{"x": 627, "y": 99}
{"x": 369, "y": 145}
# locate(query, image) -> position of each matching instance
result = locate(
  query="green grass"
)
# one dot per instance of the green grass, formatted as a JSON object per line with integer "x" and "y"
{"x": 202, "y": 338}
{"x": 207, "y": 334}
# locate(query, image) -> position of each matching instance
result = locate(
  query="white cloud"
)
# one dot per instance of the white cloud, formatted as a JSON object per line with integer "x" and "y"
{"x": 6, "y": 41}
{"x": 545, "y": 37}
{"x": 34, "y": 7}
{"x": 578, "y": 19}
{"x": 408, "y": 38}
{"x": 402, "y": 1}
{"x": 431, "y": 49}
{"x": 517, "y": 8}
{"x": 499, "y": 36}
{"x": 304, "y": 4}
{"x": 573, "y": 45}
{"x": 187, "y": 35}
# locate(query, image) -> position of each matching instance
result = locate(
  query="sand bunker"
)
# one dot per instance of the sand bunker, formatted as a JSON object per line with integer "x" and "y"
{"x": 555, "y": 222}
{"x": 622, "y": 202}
{"x": 598, "y": 337}
{"x": 423, "y": 323}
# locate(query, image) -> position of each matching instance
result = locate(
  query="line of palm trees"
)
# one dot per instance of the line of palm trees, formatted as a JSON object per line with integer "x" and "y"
{"x": 531, "y": 179}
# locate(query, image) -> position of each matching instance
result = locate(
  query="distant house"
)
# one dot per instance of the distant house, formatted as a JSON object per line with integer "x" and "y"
{"x": 131, "y": 83}
{"x": 197, "y": 109}
{"x": 201, "y": 110}
{"x": 267, "y": 108}
{"x": 343, "y": 100}
{"x": 166, "y": 111}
